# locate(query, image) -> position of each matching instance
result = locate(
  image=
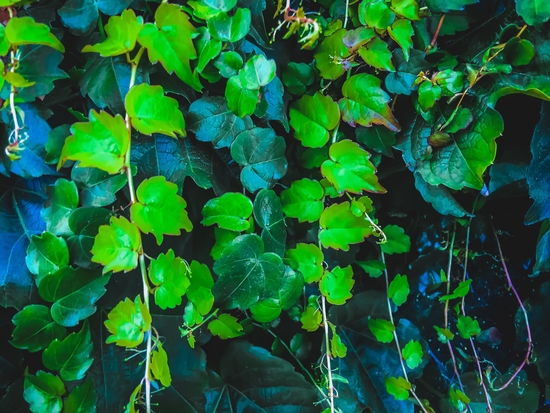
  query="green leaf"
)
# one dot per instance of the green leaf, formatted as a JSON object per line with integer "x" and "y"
{"x": 534, "y": 12}
{"x": 398, "y": 387}
{"x": 349, "y": 169}
{"x": 365, "y": 103}
{"x": 230, "y": 28}
{"x": 445, "y": 6}
{"x": 381, "y": 329}
{"x": 406, "y": 8}
{"x": 210, "y": 119}
{"x": 223, "y": 239}
{"x": 43, "y": 392}
{"x": 257, "y": 72}
{"x": 262, "y": 155}
{"x": 337, "y": 347}
{"x": 397, "y": 241}
{"x": 128, "y": 322}
{"x": 35, "y": 328}
{"x": 169, "y": 41}
{"x": 245, "y": 273}
{"x": 376, "y": 138}
{"x": 151, "y": 111}
{"x": 207, "y": 47}
{"x": 159, "y": 366}
{"x": 221, "y": 5}
{"x": 303, "y": 200}
{"x": 373, "y": 268}
{"x": 291, "y": 289}
{"x": 519, "y": 52}
{"x": 297, "y": 77}
{"x": 312, "y": 117}
{"x": 169, "y": 274}
{"x": 376, "y": 14}
{"x": 467, "y": 327}
{"x": 229, "y": 63}
{"x": 160, "y": 210}
{"x": 81, "y": 16}
{"x": 340, "y": 227}
{"x": 122, "y": 33}
{"x": 399, "y": 290}
{"x": 131, "y": 406}
{"x": 74, "y": 293}
{"x": 459, "y": 292}
{"x": 268, "y": 214}
{"x": 82, "y": 399}
{"x": 241, "y": 101}
{"x": 402, "y": 31}
{"x": 46, "y": 254}
{"x": 225, "y": 326}
{"x": 100, "y": 143}
{"x": 328, "y": 54}
{"x": 428, "y": 94}
{"x": 24, "y": 30}
{"x": 200, "y": 290}
{"x": 458, "y": 399}
{"x": 377, "y": 54}
{"x": 336, "y": 285}
{"x": 230, "y": 211}
{"x": 308, "y": 259}
{"x": 462, "y": 120}
{"x": 266, "y": 311}
{"x": 311, "y": 318}
{"x": 440, "y": 198}
{"x": 116, "y": 245}
{"x": 70, "y": 357}
{"x": 402, "y": 81}
{"x": 62, "y": 200}
{"x": 412, "y": 353}
{"x": 451, "y": 82}
{"x": 444, "y": 334}
{"x": 98, "y": 188}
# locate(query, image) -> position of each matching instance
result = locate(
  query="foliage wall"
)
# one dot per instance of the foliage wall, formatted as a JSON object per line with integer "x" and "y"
{"x": 280, "y": 207}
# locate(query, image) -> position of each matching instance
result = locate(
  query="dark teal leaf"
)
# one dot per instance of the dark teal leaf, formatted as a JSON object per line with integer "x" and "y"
{"x": 376, "y": 138}
{"x": 297, "y": 77}
{"x": 35, "y": 329}
{"x": 46, "y": 254}
{"x": 272, "y": 95}
{"x": 401, "y": 81}
{"x": 56, "y": 140}
{"x": 80, "y": 16}
{"x": 82, "y": 399}
{"x": 269, "y": 216}
{"x": 62, "y": 200}
{"x": 98, "y": 188}
{"x": 43, "y": 392}
{"x": 445, "y": 6}
{"x": 440, "y": 198}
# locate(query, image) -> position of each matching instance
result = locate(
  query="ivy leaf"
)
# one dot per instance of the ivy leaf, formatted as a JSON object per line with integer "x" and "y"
{"x": 160, "y": 210}
{"x": 459, "y": 292}
{"x": 428, "y": 94}
{"x": 208, "y": 48}
{"x": 100, "y": 143}
{"x": 327, "y": 53}
{"x": 534, "y": 12}
{"x": 262, "y": 155}
{"x": 337, "y": 346}
{"x": 116, "y": 245}
{"x": 402, "y": 31}
{"x": 340, "y": 227}
{"x": 412, "y": 353}
{"x": 122, "y": 33}
{"x": 200, "y": 289}
{"x": 71, "y": 357}
{"x": 373, "y": 268}
{"x": 266, "y": 311}
{"x": 440, "y": 197}
{"x": 82, "y": 399}
{"x": 349, "y": 169}
{"x": 74, "y": 293}
{"x": 336, "y": 285}
{"x": 376, "y": 14}
{"x": 159, "y": 366}
{"x": 62, "y": 200}
{"x": 269, "y": 216}
{"x": 24, "y": 30}
{"x": 169, "y": 275}
{"x": 297, "y": 77}
{"x": 377, "y": 54}
{"x": 445, "y": 6}
{"x": 35, "y": 328}
{"x": 131, "y": 406}
{"x": 230, "y": 28}
{"x": 467, "y": 327}
{"x": 229, "y": 63}
{"x": 444, "y": 334}
{"x": 406, "y": 8}
{"x": 272, "y": 100}
{"x": 223, "y": 239}
{"x": 311, "y": 318}
{"x": 257, "y": 72}
{"x": 230, "y": 211}
{"x": 151, "y": 111}
{"x": 43, "y": 392}
{"x": 312, "y": 117}
{"x": 245, "y": 273}
{"x": 381, "y": 329}
{"x": 303, "y": 200}
{"x": 402, "y": 80}
{"x": 365, "y": 103}
{"x": 399, "y": 290}
{"x": 98, "y": 188}
{"x": 210, "y": 119}
{"x": 169, "y": 41}
{"x": 46, "y": 254}
{"x": 307, "y": 259}
{"x": 398, "y": 242}
{"x": 225, "y": 326}
{"x": 240, "y": 100}
{"x": 291, "y": 289}
{"x": 128, "y": 322}
{"x": 80, "y": 16}
{"x": 398, "y": 387}
{"x": 376, "y": 138}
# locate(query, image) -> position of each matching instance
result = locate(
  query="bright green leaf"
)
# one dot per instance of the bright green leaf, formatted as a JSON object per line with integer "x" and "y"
{"x": 128, "y": 322}
{"x": 382, "y": 329}
{"x": 46, "y": 254}
{"x": 131, "y": 406}
{"x": 412, "y": 353}
{"x": 336, "y": 285}
{"x": 458, "y": 399}
{"x": 116, "y": 245}
{"x": 534, "y": 12}
{"x": 43, "y": 392}
{"x": 376, "y": 14}
{"x": 397, "y": 241}
{"x": 229, "y": 63}
{"x": 373, "y": 268}
{"x": 444, "y": 334}
{"x": 257, "y": 72}
{"x": 207, "y": 47}
{"x": 82, "y": 399}
{"x": 159, "y": 366}
{"x": 169, "y": 274}
{"x": 377, "y": 54}
{"x": 200, "y": 290}
{"x": 230, "y": 211}
{"x": 35, "y": 328}
{"x": 340, "y": 227}
{"x": 297, "y": 77}
{"x": 399, "y": 290}
{"x": 467, "y": 326}
{"x": 406, "y": 8}
{"x": 398, "y": 387}
{"x": 308, "y": 259}
{"x": 402, "y": 31}
{"x": 458, "y": 292}
{"x": 24, "y": 30}
{"x": 266, "y": 311}
{"x": 311, "y": 318}
{"x": 230, "y": 28}
{"x": 223, "y": 239}
{"x": 240, "y": 100}
{"x": 303, "y": 200}
{"x": 428, "y": 94}
{"x": 328, "y": 53}
{"x": 225, "y": 326}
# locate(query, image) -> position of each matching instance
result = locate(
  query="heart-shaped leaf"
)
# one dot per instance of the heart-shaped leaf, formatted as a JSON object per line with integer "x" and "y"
{"x": 341, "y": 227}
{"x": 169, "y": 275}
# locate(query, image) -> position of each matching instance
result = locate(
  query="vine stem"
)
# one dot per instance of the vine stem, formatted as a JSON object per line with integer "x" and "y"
{"x": 436, "y": 34}
{"x": 511, "y": 286}
{"x": 397, "y": 345}
{"x": 327, "y": 350}
{"x": 143, "y": 269}
{"x": 13, "y": 141}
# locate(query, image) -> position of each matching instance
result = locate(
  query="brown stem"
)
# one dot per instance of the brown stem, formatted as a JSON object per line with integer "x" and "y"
{"x": 436, "y": 34}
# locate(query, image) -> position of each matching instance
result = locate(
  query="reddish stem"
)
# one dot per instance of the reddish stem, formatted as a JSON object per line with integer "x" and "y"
{"x": 436, "y": 34}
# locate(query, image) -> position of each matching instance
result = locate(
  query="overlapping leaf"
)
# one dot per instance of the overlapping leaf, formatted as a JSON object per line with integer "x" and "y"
{"x": 340, "y": 227}
{"x": 303, "y": 200}
{"x": 169, "y": 275}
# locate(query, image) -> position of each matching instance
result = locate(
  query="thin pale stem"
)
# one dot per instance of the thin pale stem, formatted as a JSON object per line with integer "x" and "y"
{"x": 346, "y": 14}
{"x": 525, "y": 315}
{"x": 327, "y": 350}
